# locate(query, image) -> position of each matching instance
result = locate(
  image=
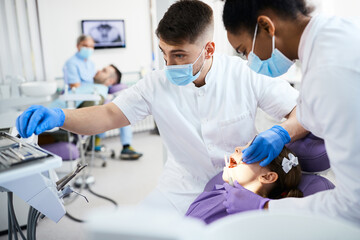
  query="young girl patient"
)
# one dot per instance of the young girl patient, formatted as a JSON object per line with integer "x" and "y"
{"x": 277, "y": 180}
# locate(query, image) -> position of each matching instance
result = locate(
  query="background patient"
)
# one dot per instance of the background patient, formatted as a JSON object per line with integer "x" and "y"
{"x": 271, "y": 182}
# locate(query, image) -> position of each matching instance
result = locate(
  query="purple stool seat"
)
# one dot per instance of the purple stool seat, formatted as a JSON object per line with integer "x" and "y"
{"x": 67, "y": 151}
{"x": 311, "y": 153}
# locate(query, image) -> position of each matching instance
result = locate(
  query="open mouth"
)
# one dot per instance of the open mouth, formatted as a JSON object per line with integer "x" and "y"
{"x": 233, "y": 163}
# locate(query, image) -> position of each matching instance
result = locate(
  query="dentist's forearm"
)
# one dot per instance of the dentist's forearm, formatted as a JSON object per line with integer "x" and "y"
{"x": 293, "y": 127}
{"x": 94, "y": 120}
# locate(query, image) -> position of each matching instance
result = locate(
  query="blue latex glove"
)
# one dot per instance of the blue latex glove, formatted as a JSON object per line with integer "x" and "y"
{"x": 239, "y": 199}
{"x": 267, "y": 144}
{"x": 37, "y": 119}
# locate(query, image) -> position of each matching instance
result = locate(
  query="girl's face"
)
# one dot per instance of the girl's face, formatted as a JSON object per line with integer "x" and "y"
{"x": 241, "y": 172}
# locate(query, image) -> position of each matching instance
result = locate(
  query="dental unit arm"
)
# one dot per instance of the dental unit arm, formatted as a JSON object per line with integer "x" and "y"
{"x": 27, "y": 171}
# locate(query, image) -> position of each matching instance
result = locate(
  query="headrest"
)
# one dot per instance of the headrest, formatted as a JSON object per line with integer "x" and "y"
{"x": 116, "y": 88}
{"x": 311, "y": 184}
{"x": 311, "y": 153}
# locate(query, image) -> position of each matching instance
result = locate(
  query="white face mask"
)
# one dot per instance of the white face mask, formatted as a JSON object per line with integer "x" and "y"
{"x": 276, "y": 65}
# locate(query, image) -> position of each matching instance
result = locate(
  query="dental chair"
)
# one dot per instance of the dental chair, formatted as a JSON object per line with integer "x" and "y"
{"x": 155, "y": 224}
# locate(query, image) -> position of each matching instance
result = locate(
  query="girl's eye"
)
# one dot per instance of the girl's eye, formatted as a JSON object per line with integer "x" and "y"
{"x": 179, "y": 56}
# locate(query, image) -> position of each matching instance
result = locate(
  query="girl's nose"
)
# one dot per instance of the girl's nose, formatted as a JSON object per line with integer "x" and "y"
{"x": 238, "y": 149}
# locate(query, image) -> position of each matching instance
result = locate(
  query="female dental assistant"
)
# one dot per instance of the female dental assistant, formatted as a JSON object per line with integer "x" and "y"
{"x": 272, "y": 34}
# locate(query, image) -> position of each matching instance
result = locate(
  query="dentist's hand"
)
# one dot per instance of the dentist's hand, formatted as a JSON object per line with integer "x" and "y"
{"x": 239, "y": 199}
{"x": 37, "y": 119}
{"x": 267, "y": 144}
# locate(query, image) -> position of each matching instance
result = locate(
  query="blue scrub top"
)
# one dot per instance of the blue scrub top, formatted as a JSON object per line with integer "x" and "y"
{"x": 77, "y": 70}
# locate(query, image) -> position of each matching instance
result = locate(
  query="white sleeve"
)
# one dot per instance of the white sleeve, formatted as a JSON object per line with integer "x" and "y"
{"x": 135, "y": 102}
{"x": 275, "y": 96}
{"x": 335, "y": 106}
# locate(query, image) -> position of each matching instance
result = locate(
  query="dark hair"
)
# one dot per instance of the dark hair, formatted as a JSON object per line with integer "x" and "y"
{"x": 185, "y": 21}
{"x": 118, "y": 74}
{"x": 287, "y": 183}
{"x": 242, "y": 14}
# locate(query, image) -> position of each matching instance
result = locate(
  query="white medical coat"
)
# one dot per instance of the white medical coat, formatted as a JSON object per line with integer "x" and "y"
{"x": 199, "y": 125}
{"x": 329, "y": 107}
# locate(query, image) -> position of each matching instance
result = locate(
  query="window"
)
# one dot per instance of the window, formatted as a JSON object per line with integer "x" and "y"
{"x": 21, "y": 56}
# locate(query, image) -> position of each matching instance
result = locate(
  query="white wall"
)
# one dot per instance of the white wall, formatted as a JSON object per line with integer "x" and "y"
{"x": 221, "y": 43}
{"x": 60, "y": 22}
{"x": 60, "y": 26}
{"x": 344, "y": 8}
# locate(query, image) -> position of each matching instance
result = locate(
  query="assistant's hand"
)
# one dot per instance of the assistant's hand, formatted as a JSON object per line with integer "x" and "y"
{"x": 267, "y": 144}
{"x": 239, "y": 199}
{"x": 37, "y": 119}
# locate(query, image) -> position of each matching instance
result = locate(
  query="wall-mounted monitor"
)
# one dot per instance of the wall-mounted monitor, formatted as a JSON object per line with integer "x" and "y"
{"x": 106, "y": 33}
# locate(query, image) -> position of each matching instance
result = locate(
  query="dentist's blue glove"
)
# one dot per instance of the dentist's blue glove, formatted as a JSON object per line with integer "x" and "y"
{"x": 267, "y": 144}
{"x": 37, "y": 119}
{"x": 239, "y": 199}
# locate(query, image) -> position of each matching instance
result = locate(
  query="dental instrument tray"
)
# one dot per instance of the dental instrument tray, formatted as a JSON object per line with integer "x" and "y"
{"x": 15, "y": 152}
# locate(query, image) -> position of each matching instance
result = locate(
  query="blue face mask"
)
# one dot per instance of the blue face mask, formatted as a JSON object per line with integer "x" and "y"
{"x": 182, "y": 75}
{"x": 276, "y": 65}
{"x": 85, "y": 52}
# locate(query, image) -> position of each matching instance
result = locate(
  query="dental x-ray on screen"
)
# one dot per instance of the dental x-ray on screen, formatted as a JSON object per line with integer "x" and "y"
{"x": 106, "y": 33}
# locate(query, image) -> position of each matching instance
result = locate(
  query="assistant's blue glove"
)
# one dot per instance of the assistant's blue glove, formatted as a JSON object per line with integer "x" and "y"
{"x": 37, "y": 119}
{"x": 267, "y": 144}
{"x": 239, "y": 199}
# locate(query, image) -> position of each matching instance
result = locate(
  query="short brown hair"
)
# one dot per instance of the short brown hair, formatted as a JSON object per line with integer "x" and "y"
{"x": 287, "y": 183}
{"x": 185, "y": 21}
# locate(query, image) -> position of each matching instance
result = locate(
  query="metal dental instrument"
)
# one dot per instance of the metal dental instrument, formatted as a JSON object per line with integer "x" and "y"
{"x": 34, "y": 152}
{"x": 253, "y": 140}
{"x": 6, "y": 161}
{"x": 10, "y": 155}
{"x": 3, "y": 161}
{"x": 63, "y": 181}
{"x": 231, "y": 182}
{"x": 22, "y": 157}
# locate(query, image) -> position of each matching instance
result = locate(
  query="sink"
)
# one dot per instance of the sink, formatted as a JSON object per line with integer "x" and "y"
{"x": 38, "y": 89}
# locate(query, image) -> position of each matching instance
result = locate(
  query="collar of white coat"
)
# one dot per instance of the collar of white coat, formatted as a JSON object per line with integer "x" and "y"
{"x": 307, "y": 40}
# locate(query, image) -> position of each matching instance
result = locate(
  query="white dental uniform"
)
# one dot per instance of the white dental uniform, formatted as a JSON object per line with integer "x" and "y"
{"x": 199, "y": 125}
{"x": 329, "y": 107}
